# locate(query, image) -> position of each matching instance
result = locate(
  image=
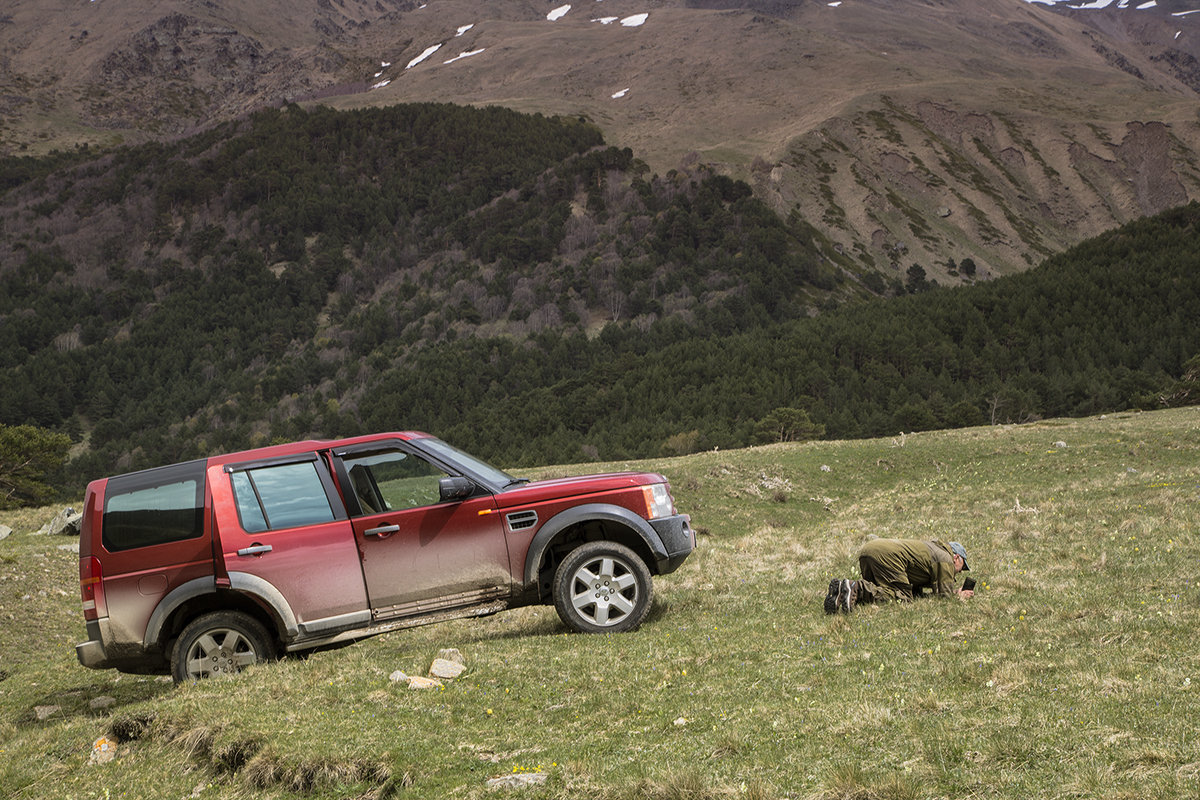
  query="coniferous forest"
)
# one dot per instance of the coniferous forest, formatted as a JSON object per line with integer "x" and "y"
{"x": 510, "y": 283}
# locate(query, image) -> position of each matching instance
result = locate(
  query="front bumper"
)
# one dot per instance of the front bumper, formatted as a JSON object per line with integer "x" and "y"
{"x": 678, "y": 538}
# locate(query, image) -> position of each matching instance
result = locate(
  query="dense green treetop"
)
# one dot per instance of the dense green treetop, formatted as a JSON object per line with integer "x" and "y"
{"x": 512, "y": 284}
{"x": 29, "y": 459}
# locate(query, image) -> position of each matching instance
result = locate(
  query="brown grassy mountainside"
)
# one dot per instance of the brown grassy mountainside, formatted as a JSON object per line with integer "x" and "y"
{"x": 907, "y": 131}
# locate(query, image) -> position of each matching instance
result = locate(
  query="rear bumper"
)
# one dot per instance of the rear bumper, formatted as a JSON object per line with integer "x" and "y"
{"x": 91, "y": 653}
{"x": 134, "y": 659}
{"x": 678, "y": 538}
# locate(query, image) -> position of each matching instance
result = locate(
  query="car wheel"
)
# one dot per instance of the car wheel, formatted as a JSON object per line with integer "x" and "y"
{"x": 221, "y": 643}
{"x": 602, "y": 587}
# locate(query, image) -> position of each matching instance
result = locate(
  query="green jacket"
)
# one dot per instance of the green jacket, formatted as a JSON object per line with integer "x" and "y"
{"x": 927, "y": 564}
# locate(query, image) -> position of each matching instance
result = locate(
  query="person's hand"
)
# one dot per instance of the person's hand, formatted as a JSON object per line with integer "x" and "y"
{"x": 966, "y": 594}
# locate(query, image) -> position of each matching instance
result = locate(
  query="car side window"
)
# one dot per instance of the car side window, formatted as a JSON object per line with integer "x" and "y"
{"x": 280, "y": 496}
{"x": 156, "y": 506}
{"x": 393, "y": 481}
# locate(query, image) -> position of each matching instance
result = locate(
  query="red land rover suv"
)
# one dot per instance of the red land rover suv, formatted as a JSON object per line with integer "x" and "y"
{"x": 207, "y": 566}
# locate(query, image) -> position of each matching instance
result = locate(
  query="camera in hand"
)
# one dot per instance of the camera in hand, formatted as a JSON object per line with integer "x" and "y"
{"x": 968, "y": 584}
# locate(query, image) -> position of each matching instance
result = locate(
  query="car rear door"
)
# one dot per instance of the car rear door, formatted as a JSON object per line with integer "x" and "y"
{"x": 419, "y": 553}
{"x": 285, "y": 537}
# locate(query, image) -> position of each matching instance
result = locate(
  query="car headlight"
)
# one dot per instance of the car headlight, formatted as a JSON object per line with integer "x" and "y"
{"x": 658, "y": 501}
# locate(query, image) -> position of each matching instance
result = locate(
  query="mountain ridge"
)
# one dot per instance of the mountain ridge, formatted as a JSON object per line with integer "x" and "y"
{"x": 915, "y": 133}
{"x": 512, "y": 283}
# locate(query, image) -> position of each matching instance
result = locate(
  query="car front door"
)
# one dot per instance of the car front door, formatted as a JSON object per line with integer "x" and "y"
{"x": 421, "y": 554}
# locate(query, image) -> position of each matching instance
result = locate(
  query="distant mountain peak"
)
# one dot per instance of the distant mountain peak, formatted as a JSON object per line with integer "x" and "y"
{"x": 915, "y": 132}
{"x": 1175, "y": 8}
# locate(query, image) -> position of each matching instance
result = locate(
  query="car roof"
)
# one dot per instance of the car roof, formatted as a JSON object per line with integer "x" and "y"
{"x": 308, "y": 446}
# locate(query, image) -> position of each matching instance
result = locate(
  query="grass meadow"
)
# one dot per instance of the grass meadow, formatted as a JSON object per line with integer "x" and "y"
{"x": 1073, "y": 673}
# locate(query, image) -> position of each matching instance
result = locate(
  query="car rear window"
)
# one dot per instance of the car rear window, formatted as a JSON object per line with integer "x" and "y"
{"x": 154, "y": 507}
{"x": 281, "y": 496}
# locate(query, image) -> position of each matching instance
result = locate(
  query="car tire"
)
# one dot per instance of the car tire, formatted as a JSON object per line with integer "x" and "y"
{"x": 220, "y": 643}
{"x": 602, "y": 587}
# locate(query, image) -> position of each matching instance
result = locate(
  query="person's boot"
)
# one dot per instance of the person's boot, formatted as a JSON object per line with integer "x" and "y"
{"x": 847, "y": 596}
{"x": 833, "y": 598}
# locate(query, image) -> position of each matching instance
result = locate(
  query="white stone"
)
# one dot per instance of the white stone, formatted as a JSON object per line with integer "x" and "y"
{"x": 44, "y": 713}
{"x": 443, "y": 668}
{"x": 520, "y": 780}
{"x": 65, "y": 523}
{"x": 451, "y": 654}
{"x": 104, "y": 750}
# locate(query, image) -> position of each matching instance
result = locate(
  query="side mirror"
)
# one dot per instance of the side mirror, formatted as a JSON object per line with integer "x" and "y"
{"x": 450, "y": 489}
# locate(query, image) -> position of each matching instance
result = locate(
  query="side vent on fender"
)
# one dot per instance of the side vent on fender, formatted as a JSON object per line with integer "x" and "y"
{"x": 521, "y": 520}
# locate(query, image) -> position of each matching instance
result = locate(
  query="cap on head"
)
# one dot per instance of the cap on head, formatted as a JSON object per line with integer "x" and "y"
{"x": 961, "y": 552}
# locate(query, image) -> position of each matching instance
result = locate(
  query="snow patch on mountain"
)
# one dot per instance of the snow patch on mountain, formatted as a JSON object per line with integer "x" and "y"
{"x": 631, "y": 21}
{"x": 1097, "y": 5}
{"x": 428, "y": 52}
{"x": 464, "y": 54}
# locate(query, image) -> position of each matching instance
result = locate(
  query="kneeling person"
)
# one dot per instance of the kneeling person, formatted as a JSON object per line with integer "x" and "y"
{"x": 898, "y": 569}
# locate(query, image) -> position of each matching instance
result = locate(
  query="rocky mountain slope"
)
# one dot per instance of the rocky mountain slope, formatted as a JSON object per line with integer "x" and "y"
{"x": 922, "y": 132}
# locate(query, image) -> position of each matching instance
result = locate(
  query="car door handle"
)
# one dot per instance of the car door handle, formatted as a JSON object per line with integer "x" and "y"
{"x": 382, "y": 531}
{"x": 255, "y": 550}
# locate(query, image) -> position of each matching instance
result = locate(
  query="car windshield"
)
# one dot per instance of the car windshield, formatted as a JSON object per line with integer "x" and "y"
{"x": 497, "y": 477}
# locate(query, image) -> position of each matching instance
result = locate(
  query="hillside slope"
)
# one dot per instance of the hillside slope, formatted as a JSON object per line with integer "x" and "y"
{"x": 913, "y": 132}
{"x": 1071, "y": 673}
{"x": 508, "y": 282}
